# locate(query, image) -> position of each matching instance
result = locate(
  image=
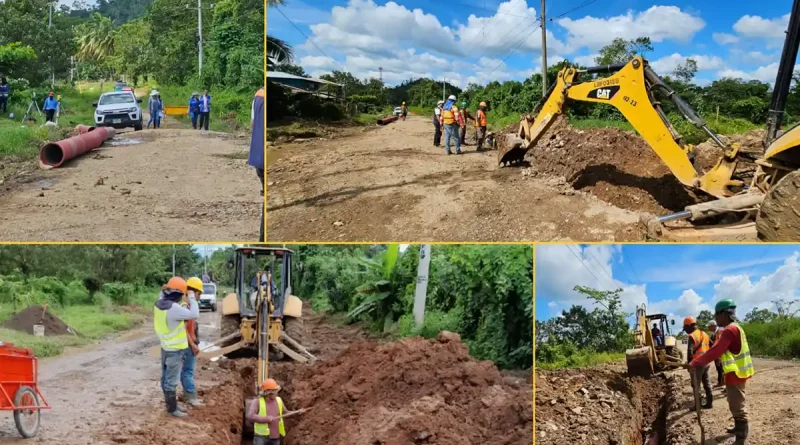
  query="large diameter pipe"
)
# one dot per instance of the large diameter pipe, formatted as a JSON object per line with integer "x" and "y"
{"x": 56, "y": 153}
{"x": 387, "y": 120}
{"x": 83, "y": 129}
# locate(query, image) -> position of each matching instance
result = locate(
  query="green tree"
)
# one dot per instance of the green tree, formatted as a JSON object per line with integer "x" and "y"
{"x": 95, "y": 39}
{"x": 622, "y": 51}
{"x": 12, "y": 55}
{"x": 685, "y": 71}
{"x": 760, "y": 316}
{"x": 289, "y": 68}
{"x": 704, "y": 318}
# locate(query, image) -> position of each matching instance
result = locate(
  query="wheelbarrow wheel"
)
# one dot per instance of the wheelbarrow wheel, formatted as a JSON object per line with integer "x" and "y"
{"x": 27, "y": 420}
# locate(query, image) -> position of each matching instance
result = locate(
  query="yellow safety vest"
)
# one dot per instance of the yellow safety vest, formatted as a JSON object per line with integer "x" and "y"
{"x": 171, "y": 340}
{"x": 741, "y": 364}
{"x": 262, "y": 429}
{"x": 449, "y": 116}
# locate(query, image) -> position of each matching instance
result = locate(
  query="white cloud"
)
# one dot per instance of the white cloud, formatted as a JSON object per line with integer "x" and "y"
{"x": 552, "y": 304}
{"x": 587, "y": 60}
{"x": 658, "y": 22}
{"x": 756, "y": 26}
{"x": 667, "y": 64}
{"x": 766, "y": 73}
{"x": 724, "y": 38}
{"x": 318, "y": 62}
{"x": 688, "y": 303}
{"x": 783, "y": 283}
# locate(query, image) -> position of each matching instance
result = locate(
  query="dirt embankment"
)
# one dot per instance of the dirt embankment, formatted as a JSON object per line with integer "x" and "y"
{"x": 621, "y": 168}
{"x": 38, "y": 315}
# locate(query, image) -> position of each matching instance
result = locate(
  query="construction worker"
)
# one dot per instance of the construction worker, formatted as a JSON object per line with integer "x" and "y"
{"x": 266, "y": 413}
{"x": 154, "y": 109}
{"x": 464, "y": 116}
{"x": 5, "y": 92}
{"x": 698, "y": 344}
{"x": 732, "y": 349}
{"x": 205, "y": 110}
{"x": 448, "y": 119}
{"x": 256, "y": 157}
{"x": 481, "y": 122}
{"x": 194, "y": 108}
{"x": 50, "y": 107}
{"x": 194, "y": 288}
{"x": 437, "y": 124}
{"x": 715, "y": 333}
{"x": 404, "y": 110}
{"x": 169, "y": 323}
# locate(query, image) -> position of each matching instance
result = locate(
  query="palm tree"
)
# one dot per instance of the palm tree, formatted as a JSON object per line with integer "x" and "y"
{"x": 95, "y": 39}
{"x": 278, "y": 51}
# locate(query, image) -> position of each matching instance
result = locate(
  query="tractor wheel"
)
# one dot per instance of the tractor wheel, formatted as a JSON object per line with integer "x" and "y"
{"x": 27, "y": 420}
{"x": 779, "y": 216}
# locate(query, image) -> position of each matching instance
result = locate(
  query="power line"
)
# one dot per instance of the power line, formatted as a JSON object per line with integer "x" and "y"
{"x": 584, "y": 265}
{"x": 304, "y": 34}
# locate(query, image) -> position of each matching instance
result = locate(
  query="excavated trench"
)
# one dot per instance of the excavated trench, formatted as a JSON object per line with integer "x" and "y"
{"x": 603, "y": 406}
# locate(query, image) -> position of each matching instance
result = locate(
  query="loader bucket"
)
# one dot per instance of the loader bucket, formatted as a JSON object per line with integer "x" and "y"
{"x": 511, "y": 149}
{"x": 640, "y": 362}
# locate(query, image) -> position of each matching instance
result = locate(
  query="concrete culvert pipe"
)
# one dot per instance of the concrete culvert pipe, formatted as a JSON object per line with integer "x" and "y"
{"x": 54, "y": 154}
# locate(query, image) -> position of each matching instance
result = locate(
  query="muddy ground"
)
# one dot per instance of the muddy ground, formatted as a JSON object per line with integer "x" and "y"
{"x": 390, "y": 183}
{"x": 153, "y": 185}
{"x": 603, "y": 406}
{"x": 361, "y": 391}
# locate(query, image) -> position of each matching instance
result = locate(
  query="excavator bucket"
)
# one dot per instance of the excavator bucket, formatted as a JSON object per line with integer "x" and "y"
{"x": 640, "y": 362}
{"x": 511, "y": 149}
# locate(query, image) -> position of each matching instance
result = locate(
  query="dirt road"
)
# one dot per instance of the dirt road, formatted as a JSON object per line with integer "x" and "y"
{"x": 391, "y": 184}
{"x": 152, "y": 185}
{"x": 89, "y": 387}
{"x": 603, "y": 405}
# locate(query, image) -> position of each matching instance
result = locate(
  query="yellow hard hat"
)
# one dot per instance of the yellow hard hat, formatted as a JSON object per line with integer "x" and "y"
{"x": 195, "y": 283}
{"x": 404, "y": 103}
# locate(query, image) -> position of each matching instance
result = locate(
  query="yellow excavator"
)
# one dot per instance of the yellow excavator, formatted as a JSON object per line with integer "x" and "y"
{"x": 258, "y": 316}
{"x": 768, "y": 202}
{"x": 652, "y": 352}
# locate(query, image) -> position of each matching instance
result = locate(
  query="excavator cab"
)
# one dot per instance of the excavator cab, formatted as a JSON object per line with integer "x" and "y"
{"x": 262, "y": 317}
{"x": 653, "y": 350}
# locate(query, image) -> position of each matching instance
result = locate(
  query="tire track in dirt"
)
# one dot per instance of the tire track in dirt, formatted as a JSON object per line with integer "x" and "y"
{"x": 152, "y": 185}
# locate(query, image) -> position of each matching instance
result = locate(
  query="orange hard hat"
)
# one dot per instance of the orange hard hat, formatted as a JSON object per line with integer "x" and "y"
{"x": 177, "y": 283}
{"x": 270, "y": 385}
{"x": 689, "y": 321}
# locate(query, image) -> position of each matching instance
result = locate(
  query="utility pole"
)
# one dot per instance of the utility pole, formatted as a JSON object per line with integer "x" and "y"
{"x": 544, "y": 52}
{"x": 52, "y": 69}
{"x": 200, "y": 35}
{"x": 421, "y": 291}
{"x": 173, "y": 260}
{"x": 443, "y": 92}
{"x": 380, "y": 75}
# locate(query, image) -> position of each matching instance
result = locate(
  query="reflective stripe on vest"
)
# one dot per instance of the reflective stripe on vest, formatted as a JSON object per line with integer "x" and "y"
{"x": 262, "y": 429}
{"x": 480, "y": 119}
{"x": 449, "y": 116}
{"x": 741, "y": 364}
{"x": 701, "y": 340}
{"x": 171, "y": 340}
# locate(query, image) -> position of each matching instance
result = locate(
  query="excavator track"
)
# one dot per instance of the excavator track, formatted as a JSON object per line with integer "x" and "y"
{"x": 779, "y": 216}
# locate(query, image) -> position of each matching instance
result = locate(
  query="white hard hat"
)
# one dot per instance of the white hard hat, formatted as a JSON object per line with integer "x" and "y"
{"x": 441, "y": 102}
{"x": 154, "y": 92}
{"x": 452, "y": 97}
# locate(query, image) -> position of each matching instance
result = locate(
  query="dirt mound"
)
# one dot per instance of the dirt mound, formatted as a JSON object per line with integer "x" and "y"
{"x": 406, "y": 392}
{"x": 617, "y": 167}
{"x": 33, "y": 315}
{"x": 601, "y": 406}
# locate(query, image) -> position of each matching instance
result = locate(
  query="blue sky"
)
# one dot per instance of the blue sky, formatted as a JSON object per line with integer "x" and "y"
{"x": 467, "y": 40}
{"x": 679, "y": 280}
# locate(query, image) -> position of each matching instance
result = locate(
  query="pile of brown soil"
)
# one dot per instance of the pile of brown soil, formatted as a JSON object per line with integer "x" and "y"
{"x": 24, "y": 321}
{"x": 617, "y": 167}
{"x": 413, "y": 391}
{"x": 601, "y": 406}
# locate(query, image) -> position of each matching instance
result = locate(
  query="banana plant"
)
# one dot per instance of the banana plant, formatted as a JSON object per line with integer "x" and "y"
{"x": 376, "y": 296}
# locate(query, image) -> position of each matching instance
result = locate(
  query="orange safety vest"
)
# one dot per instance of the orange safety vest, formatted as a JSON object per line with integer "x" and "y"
{"x": 701, "y": 341}
{"x": 449, "y": 116}
{"x": 480, "y": 119}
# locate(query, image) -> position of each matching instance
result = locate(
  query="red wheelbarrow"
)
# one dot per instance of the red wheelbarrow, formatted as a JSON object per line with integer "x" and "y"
{"x": 19, "y": 389}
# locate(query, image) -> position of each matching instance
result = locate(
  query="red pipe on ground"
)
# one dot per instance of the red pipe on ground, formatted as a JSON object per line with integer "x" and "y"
{"x": 387, "y": 120}
{"x": 83, "y": 129}
{"x": 56, "y": 153}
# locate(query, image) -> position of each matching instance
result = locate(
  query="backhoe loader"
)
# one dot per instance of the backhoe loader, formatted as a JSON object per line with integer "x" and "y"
{"x": 258, "y": 316}
{"x": 767, "y": 202}
{"x": 652, "y": 353}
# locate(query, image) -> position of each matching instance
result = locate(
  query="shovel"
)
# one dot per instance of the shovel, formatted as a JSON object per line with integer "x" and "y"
{"x": 696, "y": 390}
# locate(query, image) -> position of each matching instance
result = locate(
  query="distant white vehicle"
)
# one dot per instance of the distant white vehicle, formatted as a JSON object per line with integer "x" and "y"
{"x": 397, "y": 111}
{"x": 119, "y": 109}
{"x": 208, "y": 299}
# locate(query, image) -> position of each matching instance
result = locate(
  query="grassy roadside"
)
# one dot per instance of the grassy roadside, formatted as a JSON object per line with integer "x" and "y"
{"x": 777, "y": 339}
{"x": 92, "y": 322}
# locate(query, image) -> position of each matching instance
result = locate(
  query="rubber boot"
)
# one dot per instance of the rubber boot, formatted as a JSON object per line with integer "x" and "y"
{"x": 172, "y": 404}
{"x": 709, "y": 400}
{"x": 741, "y": 435}
{"x": 191, "y": 399}
{"x": 737, "y": 426}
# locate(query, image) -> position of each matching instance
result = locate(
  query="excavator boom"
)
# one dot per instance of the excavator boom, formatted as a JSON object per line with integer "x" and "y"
{"x": 630, "y": 90}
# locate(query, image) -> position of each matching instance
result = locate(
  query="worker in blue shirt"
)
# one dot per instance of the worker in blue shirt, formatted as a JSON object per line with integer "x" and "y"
{"x": 5, "y": 92}
{"x": 50, "y": 107}
{"x": 256, "y": 158}
{"x": 205, "y": 110}
{"x": 194, "y": 108}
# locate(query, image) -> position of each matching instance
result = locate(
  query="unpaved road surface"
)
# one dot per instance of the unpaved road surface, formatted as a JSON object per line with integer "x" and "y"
{"x": 153, "y": 185}
{"x": 391, "y": 184}
{"x": 89, "y": 387}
